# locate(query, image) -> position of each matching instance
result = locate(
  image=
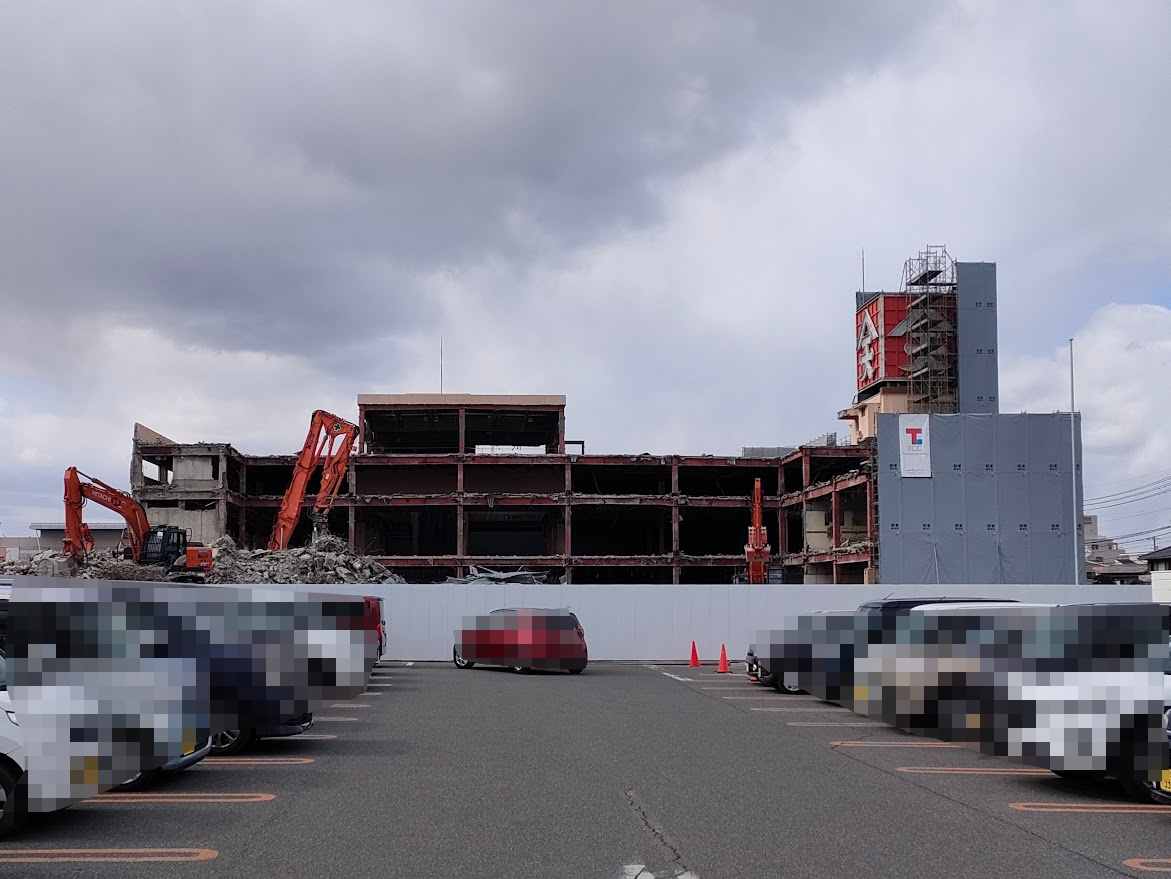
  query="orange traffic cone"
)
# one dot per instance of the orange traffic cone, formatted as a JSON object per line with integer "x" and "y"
{"x": 694, "y": 657}
{"x": 723, "y": 666}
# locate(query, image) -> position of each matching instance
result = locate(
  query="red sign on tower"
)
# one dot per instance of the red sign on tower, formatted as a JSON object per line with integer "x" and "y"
{"x": 881, "y": 339}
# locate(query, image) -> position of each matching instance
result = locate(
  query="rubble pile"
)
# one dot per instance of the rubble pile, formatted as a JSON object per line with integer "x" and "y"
{"x": 326, "y": 560}
{"x": 487, "y": 575}
{"x": 100, "y": 566}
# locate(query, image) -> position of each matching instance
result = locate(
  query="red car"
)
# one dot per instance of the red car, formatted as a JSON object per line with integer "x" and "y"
{"x": 522, "y": 638}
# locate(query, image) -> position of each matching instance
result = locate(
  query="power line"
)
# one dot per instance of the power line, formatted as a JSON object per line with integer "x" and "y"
{"x": 1157, "y": 485}
{"x": 1124, "y": 500}
{"x": 1138, "y": 535}
{"x": 1129, "y": 479}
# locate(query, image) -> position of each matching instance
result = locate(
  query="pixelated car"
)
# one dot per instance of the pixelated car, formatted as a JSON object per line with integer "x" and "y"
{"x": 147, "y": 777}
{"x": 12, "y": 758}
{"x": 235, "y": 741}
{"x": 523, "y": 638}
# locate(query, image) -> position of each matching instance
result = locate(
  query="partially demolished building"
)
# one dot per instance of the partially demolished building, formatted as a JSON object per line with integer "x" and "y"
{"x": 440, "y": 483}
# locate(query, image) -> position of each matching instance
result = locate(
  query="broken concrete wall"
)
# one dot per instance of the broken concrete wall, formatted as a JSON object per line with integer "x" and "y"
{"x": 202, "y": 520}
{"x": 853, "y": 526}
{"x": 818, "y": 531}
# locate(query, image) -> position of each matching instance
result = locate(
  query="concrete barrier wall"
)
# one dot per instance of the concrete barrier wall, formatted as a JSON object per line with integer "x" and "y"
{"x": 658, "y": 623}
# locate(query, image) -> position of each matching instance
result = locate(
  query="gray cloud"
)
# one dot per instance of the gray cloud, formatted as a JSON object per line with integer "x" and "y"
{"x": 261, "y": 175}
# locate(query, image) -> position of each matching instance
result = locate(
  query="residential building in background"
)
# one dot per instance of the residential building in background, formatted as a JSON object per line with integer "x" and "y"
{"x": 1159, "y": 566}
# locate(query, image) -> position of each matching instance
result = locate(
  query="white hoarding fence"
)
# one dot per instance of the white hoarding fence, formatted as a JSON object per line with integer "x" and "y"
{"x": 657, "y": 623}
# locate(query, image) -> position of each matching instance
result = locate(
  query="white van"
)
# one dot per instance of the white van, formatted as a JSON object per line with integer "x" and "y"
{"x": 12, "y": 756}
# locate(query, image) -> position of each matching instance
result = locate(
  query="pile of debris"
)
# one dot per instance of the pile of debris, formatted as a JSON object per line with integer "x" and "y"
{"x": 326, "y": 560}
{"x": 100, "y": 566}
{"x": 487, "y": 575}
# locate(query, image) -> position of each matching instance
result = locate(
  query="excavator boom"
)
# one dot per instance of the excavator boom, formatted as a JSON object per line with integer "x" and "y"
{"x": 330, "y": 440}
{"x": 78, "y": 540}
{"x": 757, "y": 550}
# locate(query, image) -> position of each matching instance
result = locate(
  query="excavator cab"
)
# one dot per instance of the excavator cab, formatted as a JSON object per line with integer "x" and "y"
{"x": 168, "y": 547}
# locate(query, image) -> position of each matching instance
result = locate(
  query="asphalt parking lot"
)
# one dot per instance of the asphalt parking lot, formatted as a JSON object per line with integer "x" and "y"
{"x": 438, "y": 772}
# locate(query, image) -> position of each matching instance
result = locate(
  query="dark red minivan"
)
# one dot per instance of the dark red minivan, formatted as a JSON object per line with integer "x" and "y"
{"x": 522, "y": 638}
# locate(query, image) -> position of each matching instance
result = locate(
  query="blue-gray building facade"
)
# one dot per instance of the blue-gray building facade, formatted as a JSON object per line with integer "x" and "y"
{"x": 978, "y": 375}
{"x": 996, "y": 506}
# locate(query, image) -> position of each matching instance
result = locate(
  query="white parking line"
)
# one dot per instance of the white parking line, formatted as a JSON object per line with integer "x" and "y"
{"x": 676, "y": 677}
{"x": 802, "y": 710}
{"x": 301, "y": 736}
{"x": 729, "y": 687}
{"x": 328, "y": 719}
{"x": 348, "y": 705}
{"x": 372, "y": 684}
{"x": 409, "y": 664}
{"x": 832, "y": 723}
{"x": 774, "y": 697}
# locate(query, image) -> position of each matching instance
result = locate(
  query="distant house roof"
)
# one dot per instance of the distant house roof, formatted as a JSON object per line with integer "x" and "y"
{"x": 93, "y": 526}
{"x": 1157, "y": 556}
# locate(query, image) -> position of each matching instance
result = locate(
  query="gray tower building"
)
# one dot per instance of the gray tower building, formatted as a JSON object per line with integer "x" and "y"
{"x": 951, "y": 334}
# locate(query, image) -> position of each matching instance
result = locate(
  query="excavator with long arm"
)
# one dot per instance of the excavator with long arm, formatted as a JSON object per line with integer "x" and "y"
{"x": 757, "y": 550}
{"x": 329, "y": 442}
{"x": 164, "y": 545}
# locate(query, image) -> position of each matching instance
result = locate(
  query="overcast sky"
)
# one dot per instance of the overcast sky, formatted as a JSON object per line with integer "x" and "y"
{"x": 216, "y": 217}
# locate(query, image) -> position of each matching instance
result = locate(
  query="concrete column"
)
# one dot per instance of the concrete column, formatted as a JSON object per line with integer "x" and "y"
{"x": 351, "y": 527}
{"x": 462, "y": 430}
{"x": 806, "y": 474}
{"x": 836, "y": 526}
{"x": 568, "y": 529}
{"x": 870, "y": 509}
{"x": 676, "y": 574}
{"x": 460, "y": 544}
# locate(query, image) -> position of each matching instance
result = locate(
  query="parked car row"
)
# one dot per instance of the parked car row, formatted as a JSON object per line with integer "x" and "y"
{"x": 1160, "y": 791}
{"x": 13, "y": 753}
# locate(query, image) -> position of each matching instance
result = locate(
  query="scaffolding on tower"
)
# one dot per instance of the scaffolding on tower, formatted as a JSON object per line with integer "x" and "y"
{"x": 930, "y": 280}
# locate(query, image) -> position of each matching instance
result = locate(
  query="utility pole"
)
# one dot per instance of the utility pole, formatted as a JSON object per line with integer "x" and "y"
{"x": 1078, "y": 560}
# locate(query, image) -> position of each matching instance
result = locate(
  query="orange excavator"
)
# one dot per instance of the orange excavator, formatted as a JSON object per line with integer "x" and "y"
{"x": 757, "y": 550}
{"x": 163, "y": 545}
{"x": 322, "y": 446}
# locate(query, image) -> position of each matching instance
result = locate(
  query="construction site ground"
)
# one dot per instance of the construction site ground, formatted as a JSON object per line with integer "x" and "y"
{"x": 667, "y": 770}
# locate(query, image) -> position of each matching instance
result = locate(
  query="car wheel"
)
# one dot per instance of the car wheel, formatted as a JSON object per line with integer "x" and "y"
{"x": 459, "y": 661}
{"x": 779, "y": 684}
{"x": 141, "y": 781}
{"x": 1135, "y": 789}
{"x": 13, "y": 810}
{"x": 231, "y": 741}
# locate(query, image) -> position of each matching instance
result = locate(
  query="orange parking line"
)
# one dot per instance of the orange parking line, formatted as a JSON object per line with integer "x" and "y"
{"x": 1146, "y": 864}
{"x": 256, "y": 761}
{"x": 169, "y": 799}
{"x": 1101, "y": 808}
{"x": 970, "y": 770}
{"x": 894, "y": 745}
{"x": 117, "y": 855}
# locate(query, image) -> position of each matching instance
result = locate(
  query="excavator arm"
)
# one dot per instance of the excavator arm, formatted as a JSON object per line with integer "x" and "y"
{"x": 330, "y": 440}
{"x": 757, "y": 550}
{"x": 78, "y": 540}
